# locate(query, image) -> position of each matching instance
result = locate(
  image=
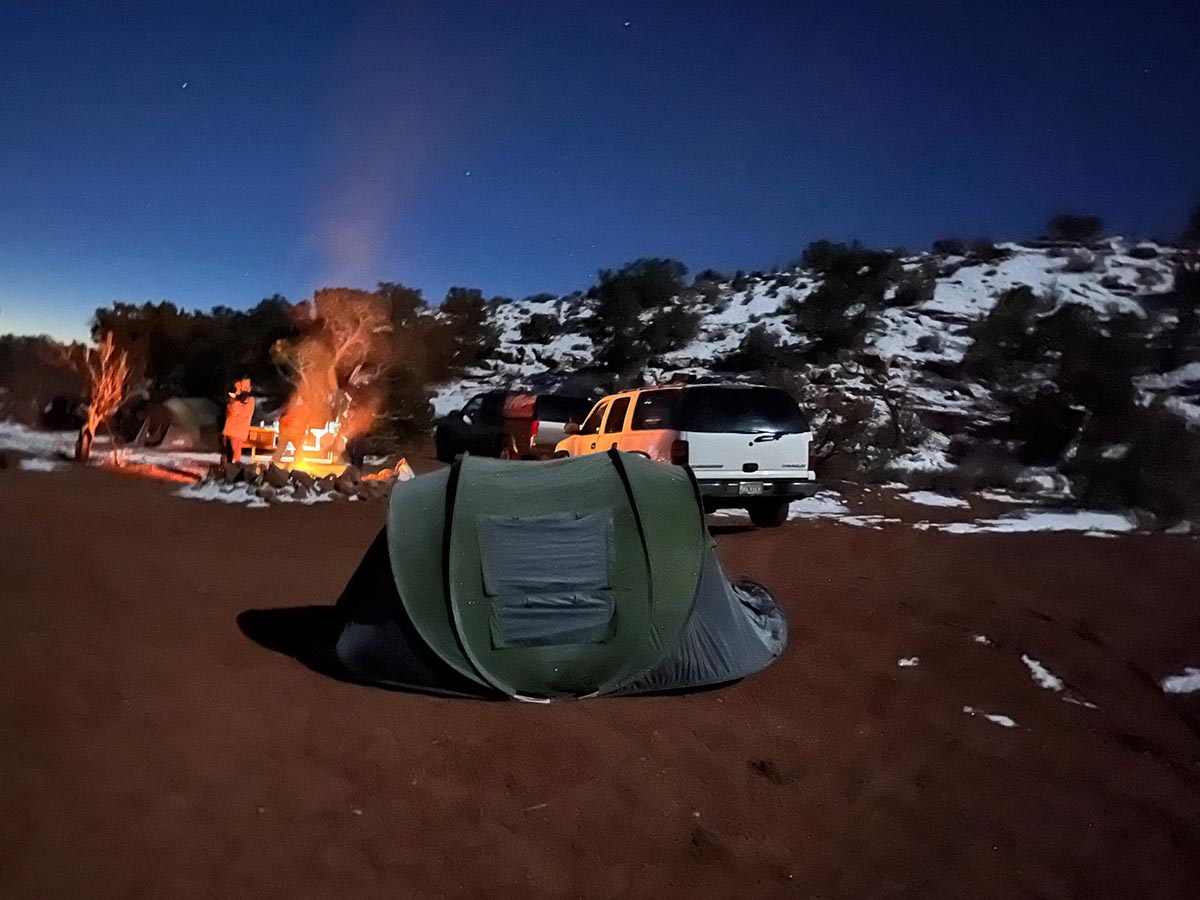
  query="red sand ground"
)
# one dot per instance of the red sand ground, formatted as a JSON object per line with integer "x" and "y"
{"x": 148, "y": 748}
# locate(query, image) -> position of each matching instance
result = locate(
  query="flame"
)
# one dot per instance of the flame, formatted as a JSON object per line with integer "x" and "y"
{"x": 402, "y": 471}
{"x": 336, "y": 368}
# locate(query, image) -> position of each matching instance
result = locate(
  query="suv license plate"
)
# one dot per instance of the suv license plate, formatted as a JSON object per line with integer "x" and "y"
{"x": 750, "y": 488}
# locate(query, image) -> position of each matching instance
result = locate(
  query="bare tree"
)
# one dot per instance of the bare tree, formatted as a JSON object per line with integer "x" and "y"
{"x": 106, "y": 374}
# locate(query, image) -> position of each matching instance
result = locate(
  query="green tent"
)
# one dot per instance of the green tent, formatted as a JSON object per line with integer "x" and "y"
{"x": 182, "y": 423}
{"x": 568, "y": 578}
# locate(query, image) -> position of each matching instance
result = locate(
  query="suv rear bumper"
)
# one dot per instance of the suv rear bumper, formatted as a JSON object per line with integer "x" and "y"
{"x": 734, "y": 492}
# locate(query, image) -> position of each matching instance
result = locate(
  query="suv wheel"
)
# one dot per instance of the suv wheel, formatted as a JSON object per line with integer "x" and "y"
{"x": 769, "y": 513}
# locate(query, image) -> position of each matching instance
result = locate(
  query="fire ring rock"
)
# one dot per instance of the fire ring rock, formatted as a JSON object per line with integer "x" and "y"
{"x": 303, "y": 480}
{"x": 375, "y": 489}
{"x": 276, "y": 476}
{"x": 234, "y": 472}
{"x": 346, "y": 484}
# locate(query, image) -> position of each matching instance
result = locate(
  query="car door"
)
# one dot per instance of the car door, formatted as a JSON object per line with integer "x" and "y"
{"x": 614, "y": 424}
{"x": 456, "y": 426}
{"x": 589, "y": 431}
{"x": 650, "y": 422}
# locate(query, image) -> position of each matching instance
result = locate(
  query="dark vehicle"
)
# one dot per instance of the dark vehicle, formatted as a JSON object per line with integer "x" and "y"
{"x": 508, "y": 425}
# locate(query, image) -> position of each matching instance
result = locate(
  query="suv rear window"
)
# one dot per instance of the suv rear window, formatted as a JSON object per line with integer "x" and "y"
{"x": 750, "y": 410}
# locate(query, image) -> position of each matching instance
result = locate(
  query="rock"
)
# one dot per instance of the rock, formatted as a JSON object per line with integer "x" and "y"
{"x": 276, "y": 476}
{"x": 254, "y": 473}
{"x": 325, "y": 485}
{"x": 300, "y": 490}
{"x": 234, "y": 472}
{"x": 267, "y": 492}
{"x": 303, "y": 479}
{"x": 346, "y": 484}
{"x": 352, "y": 473}
{"x": 373, "y": 489}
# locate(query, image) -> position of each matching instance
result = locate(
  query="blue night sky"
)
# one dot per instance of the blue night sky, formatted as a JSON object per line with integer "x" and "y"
{"x": 213, "y": 153}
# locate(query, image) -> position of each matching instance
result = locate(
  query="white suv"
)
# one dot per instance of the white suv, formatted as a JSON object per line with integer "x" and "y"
{"x": 746, "y": 445}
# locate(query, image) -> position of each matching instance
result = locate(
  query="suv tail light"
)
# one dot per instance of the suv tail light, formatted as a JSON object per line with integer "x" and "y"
{"x": 535, "y": 428}
{"x": 679, "y": 453}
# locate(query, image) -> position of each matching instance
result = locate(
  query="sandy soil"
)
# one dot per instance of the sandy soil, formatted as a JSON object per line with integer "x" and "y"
{"x": 150, "y": 748}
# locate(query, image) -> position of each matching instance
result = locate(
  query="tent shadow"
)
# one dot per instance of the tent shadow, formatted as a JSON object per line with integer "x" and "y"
{"x": 305, "y": 633}
{"x": 309, "y": 634}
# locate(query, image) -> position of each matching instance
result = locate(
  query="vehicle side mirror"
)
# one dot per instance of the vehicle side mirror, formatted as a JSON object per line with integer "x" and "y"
{"x": 466, "y": 417}
{"x": 571, "y": 428}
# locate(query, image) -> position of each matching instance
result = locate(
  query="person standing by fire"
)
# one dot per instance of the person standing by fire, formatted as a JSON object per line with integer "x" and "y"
{"x": 238, "y": 413}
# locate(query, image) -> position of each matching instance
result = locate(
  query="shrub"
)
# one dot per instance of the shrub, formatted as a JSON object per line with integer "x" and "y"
{"x": 759, "y": 351}
{"x": 1148, "y": 277}
{"x": 470, "y": 335}
{"x": 1005, "y": 342}
{"x": 623, "y": 339}
{"x": 1191, "y": 234}
{"x": 1074, "y": 228}
{"x": 929, "y": 343}
{"x": 672, "y": 328}
{"x": 916, "y": 286}
{"x": 843, "y": 306}
{"x": 1158, "y": 468}
{"x": 540, "y": 328}
{"x": 950, "y": 246}
{"x": 982, "y": 250}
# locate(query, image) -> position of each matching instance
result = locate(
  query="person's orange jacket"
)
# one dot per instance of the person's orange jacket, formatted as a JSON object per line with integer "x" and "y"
{"x": 238, "y": 413}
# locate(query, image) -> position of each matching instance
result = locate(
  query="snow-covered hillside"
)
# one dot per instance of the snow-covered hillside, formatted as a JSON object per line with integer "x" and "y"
{"x": 911, "y": 352}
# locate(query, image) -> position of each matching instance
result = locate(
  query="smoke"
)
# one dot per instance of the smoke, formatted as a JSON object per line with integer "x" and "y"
{"x": 378, "y": 129}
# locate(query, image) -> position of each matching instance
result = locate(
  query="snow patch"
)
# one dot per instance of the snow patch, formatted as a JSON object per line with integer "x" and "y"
{"x": 931, "y": 498}
{"x": 1081, "y": 520}
{"x": 1187, "y": 683}
{"x": 1002, "y": 721}
{"x": 821, "y": 505}
{"x": 238, "y": 495}
{"x": 14, "y": 436}
{"x": 42, "y": 465}
{"x": 908, "y": 662}
{"x": 875, "y": 523}
{"x": 222, "y": 493}
{"x": 1043, "y": 676}
{"x": 982, "y": 639}
{"x": 1000, "y": 497}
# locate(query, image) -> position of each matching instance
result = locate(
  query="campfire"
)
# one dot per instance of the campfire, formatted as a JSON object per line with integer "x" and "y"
{"x": 275, "y": 483}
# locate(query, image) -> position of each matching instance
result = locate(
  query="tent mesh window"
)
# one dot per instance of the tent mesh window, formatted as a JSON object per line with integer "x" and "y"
{"x": 547, "y": 578}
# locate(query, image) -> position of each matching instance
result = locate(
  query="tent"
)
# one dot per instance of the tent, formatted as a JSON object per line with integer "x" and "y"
{"x": 182, "y": 423}
{"x": 568, "y": 578}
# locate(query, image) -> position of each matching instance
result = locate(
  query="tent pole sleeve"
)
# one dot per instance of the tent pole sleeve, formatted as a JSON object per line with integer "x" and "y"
{"x": 699, "y": 501}
{"x": 614, "y": 456}
{"x": 447, "y": 534}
